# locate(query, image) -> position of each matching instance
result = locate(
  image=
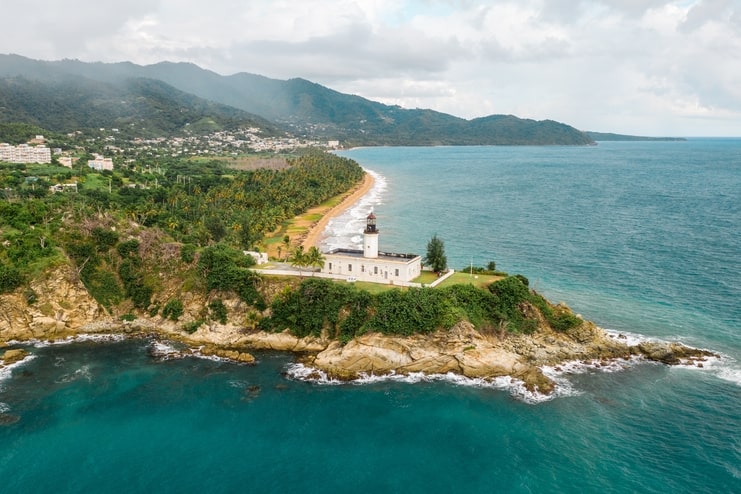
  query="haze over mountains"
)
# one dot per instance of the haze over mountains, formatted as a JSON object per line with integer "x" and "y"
{"x": 167, "y": 98}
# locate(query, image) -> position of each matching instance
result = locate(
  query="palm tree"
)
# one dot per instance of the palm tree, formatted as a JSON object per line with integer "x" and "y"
{"x": 315, "y": 258}
{"x": 287, "y": 242}
{"x": 298, "y": 259}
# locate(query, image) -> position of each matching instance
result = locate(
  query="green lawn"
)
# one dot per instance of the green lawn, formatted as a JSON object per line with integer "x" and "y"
{"x": 95, "y": 181}
{"x": 426, "y": 278}
{"x": 461, "y": 278}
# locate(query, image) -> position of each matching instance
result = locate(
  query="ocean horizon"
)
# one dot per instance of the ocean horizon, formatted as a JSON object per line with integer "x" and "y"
{"x": 640, "y": 237}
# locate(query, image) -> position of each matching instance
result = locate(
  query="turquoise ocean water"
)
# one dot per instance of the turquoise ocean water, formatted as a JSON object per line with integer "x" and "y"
{"x": 642, "y": 238}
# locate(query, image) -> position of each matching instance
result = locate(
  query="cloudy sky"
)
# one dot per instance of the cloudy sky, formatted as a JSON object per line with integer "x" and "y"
{"x": 649, "y": 67}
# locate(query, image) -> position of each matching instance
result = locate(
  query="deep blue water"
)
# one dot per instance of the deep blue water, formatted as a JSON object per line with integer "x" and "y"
{"x": 643, "y": 238}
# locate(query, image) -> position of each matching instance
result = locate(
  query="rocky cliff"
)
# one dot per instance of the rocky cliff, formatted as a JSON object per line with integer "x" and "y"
{"x": 60, "y": 307}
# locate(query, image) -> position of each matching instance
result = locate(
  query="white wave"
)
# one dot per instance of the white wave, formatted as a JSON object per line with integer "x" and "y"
{"x": 83, "y": 337}
{"x": 98, "y": 338}
{"x": 300, "y": 372}
{"x": 6, "y": 371}
{"x": 723, "y": 367}
{"x": 730, "y": 374}
{"x": 628, "y": 338}
{"x": 581, "y": 366}
{"x": 81, "y": 373}
{"x": 344, "y": 230}
{"x": 515, "y": 387}
{"x": 164, "y": 351}
{"x": 4, "y": 407}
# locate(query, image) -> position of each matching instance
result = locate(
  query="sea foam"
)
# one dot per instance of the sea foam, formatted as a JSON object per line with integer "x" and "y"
{"x": 6, "y": 372}
{"x": 84, "y": 337}
{"x": 515, "y": 387}
{"x": 345, "y": 230}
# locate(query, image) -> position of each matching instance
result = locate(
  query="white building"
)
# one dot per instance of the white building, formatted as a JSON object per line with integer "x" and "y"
{"x": 371, "y": 265}
{"x": 24, "y": 154}
{"x": 100, "y": 163}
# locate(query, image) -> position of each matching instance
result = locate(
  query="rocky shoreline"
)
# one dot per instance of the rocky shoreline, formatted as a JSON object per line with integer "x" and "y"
{"x": 66, "y": 310}
{"x": 463, "y": 351}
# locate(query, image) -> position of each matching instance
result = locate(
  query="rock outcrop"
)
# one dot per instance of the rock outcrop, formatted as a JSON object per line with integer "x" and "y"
{"x": 61, "y": 308}
{"x": 465, "y": 351}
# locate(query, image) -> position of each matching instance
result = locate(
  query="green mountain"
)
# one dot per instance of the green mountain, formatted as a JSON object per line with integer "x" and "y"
{"x": 307, "y": 108}
{"x": 143, "y": 107}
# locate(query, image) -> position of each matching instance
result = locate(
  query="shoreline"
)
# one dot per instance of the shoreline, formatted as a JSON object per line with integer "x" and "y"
{"x": 314, "y": 236}
{"x": 530, "y": 366}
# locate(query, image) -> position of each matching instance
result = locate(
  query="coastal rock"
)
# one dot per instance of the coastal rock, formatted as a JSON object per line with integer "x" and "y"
{"x": 13, "y": 356}
{"x": 62, "y": 305}
{"x": 235, "y": 355}
{"x": 285, "y": 341}
{"x": 461, "y": 350}
{"x": 8, "y": 419}
{"x": 672, "y": 353}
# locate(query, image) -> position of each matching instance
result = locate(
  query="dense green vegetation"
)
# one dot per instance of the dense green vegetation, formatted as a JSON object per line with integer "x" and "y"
{"x": 116, "y": 226}
{"x": 344, "y": 311}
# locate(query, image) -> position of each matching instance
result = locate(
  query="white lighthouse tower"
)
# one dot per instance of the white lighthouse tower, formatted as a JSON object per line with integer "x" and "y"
{"x": 370, "y": 238}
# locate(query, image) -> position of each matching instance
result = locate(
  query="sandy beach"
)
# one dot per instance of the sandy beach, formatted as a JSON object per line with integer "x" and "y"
{"x": 314, "y": 236}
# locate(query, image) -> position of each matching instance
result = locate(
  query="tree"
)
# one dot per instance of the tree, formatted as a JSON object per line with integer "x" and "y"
{"x": 436, "y": 258}
{"x": 298, "y": 259}
{"x": 286, "y": 243}
{"x": 315, "y": 258}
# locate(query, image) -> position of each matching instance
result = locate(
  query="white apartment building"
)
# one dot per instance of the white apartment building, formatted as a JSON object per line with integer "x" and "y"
{"x": 24, "y": 154}
{"x": 100, "y": 163}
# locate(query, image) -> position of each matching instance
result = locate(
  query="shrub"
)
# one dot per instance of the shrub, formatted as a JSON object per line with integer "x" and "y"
{"x": 173, "y": 309}
{"x": 218, "y": 310}
{"x": 10, "y": 278}
{"x": 226, "y": 269}
{"x": 128, "y": 247}
{"x": 104, "y": 287}
{"x": 154, "y": 310}
{"x": 188, "y": 253}
{"x": 104, "y": 239}
{"x": 193, "y": 326}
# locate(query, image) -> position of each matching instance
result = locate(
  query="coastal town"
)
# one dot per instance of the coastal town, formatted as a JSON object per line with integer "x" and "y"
{"x": 110, "y": 147}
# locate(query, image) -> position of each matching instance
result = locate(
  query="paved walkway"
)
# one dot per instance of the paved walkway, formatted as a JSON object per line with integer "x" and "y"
{"x": 285, "y": 269}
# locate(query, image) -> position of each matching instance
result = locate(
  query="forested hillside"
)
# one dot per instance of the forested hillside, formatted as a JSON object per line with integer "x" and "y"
{"x": 111, "y": 219}
{"x": 138, "y": 107}
{"x": 303, "y": 107}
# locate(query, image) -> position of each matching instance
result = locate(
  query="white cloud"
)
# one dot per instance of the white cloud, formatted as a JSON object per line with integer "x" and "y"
{"x": 634, "y": 66}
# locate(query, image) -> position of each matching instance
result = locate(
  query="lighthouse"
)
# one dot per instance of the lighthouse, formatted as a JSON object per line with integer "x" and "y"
{"x": 370, "y": 238}
{"x": 370, "y": 265}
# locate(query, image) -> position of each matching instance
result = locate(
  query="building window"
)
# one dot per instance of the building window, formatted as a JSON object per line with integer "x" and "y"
{"x": 397, "y": 272}
{"x": 375, "y": 269}
{"x": 349, "y": 268}
{"x": 330, "y": 266}
{"x": 362, "y": 268}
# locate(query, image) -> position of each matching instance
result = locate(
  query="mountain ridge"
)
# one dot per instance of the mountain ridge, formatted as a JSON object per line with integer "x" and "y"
{"x": 308, "y": 108}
